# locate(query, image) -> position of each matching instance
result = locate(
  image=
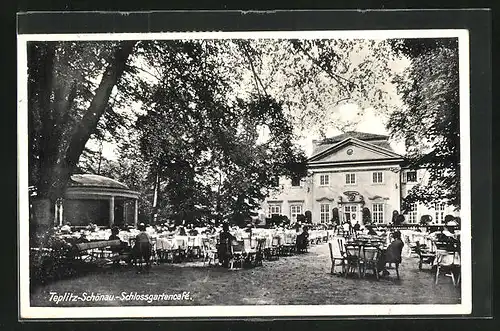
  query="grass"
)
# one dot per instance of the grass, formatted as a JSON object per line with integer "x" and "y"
{"x": 295, "y": 280}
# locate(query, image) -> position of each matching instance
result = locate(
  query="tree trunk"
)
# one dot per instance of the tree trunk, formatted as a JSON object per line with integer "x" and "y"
{"x": 59, "y": 161}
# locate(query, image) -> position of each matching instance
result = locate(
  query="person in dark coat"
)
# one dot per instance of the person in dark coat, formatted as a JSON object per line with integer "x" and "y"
{"x": 303, "y": 239}
{"x": 393, "y": 252}
{"x": 225, "y": 240}
{"x": 143, "y": 247}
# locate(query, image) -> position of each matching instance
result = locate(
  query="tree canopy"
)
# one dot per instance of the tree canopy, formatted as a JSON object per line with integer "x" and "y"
{"x": 429, "y": 121}
{"x": 189, "y": 114}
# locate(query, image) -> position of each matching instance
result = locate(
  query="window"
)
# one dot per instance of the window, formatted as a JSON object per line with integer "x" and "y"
{"x": 412, "y": 214}
{"x": 439, "y": 207}
{"x": 378, "y": 213}
{"x": 324, "y": 180}
{"x": 296, "y": 181}
{"x": 274, "y": 210}
{"x": 411, "y": 176}
{"x": 378, "y": 177}
{"x": 350, "y": 179}
{"x": 324, "y": 213}
{"x": 294, "y": 211}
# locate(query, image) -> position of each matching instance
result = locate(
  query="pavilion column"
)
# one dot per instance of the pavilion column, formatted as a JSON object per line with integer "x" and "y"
{"x": 111, "y": 211}
{"x": 125, "y": 205}
{"x": 136, "y": 211}
{"x": 61, "y": 213}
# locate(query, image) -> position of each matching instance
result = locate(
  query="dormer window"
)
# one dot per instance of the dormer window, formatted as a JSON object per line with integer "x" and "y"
{"x": 296, "y": 181}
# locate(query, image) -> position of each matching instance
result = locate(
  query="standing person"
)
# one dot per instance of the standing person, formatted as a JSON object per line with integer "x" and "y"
{"x": 225, "y": 239}
{"x": 357, "y": 227}
{"x": 346, "y": 227}
{"x": 143, "y": 246}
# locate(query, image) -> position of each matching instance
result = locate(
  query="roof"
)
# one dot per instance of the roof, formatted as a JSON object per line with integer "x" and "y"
{"x": 355, "y": 134}
{"x": 89, "y": 180}
{"x": 375, "y": 139}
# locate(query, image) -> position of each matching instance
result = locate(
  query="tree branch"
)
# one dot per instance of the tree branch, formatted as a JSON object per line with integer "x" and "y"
{"x": 97, "y": 107}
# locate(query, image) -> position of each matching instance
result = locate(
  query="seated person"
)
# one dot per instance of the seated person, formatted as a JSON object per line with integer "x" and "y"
{"x": 303, "y": 239}
{"x": 123, "y": 245}
{"x": 225, "y": 239}
{"x": 356, "y": 227}
{"x": 392, "y": 254}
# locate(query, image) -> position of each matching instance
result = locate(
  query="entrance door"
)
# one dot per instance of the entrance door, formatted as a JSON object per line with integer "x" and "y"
{"x": 351, "y": 214}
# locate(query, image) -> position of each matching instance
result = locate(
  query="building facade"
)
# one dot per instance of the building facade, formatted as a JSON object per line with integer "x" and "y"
{"x": 349, "y": 173}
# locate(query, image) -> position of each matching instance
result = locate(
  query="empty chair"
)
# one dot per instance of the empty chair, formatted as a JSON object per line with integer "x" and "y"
{"x": 336, "y": 256}
{"x": 370, "y": 260}
{"x": 449, "y": 262}
{"x": 353, "y": 259}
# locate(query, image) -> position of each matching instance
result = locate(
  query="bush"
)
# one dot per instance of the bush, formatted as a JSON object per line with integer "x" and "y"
{"x": 367, "y": 216}
{"x": 448, "y": 218}
{"x": 335, "y": 216}
{"x": 395, "y": 214}
{"x": 400, "y": 219}
{"x": 425, "y": 219}
{"x": 308, "y": 216}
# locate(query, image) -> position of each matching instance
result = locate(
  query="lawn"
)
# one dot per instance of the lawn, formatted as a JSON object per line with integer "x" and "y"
{"x": 295, "y": 280}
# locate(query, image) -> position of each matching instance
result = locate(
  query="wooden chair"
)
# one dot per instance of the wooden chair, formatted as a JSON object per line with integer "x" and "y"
{"x": 209, "y": 251}
{"x": 353, "y": 259}
{"x": 425, "y": 256}
{"x": 237, "y": 254}
{"x": 447, "y": 261}
{"x": 336, "y": 256}
{"x": 370, "y": 260}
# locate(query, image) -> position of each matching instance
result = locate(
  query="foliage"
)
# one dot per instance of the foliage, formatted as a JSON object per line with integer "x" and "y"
{"x": 395, "y": 215}
{"x": 425, "y": 219}
{"x": 429, "y": 120}
{"x": 278, "y": 220}
{"x": 200, "y": 106}
{"x": 400, "y": 219}
{"x": 367, "y": 215}
{"x": 308, "y": 216}
{"x": 335, "y": 216}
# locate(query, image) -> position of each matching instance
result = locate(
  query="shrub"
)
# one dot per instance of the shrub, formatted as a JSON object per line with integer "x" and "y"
{"x": 335, "y": 215}
{"x": 308, "y": 216}
{"x": 425, "y": 219}
{"x": 367, "y": 216}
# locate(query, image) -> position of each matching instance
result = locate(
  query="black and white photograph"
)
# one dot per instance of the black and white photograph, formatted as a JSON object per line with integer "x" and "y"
{"x": 265, "y": 173}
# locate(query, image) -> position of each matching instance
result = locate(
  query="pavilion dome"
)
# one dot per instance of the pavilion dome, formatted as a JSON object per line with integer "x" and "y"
{"x": 89, "y": 180}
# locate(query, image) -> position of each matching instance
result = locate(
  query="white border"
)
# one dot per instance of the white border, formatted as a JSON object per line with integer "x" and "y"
{"x": 26, "y": 311}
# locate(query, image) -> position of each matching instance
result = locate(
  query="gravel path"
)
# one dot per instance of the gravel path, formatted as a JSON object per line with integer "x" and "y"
{"x": 294, "y": 280}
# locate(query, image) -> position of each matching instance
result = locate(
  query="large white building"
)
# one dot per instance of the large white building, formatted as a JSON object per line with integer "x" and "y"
{"x": 350, "y": 172}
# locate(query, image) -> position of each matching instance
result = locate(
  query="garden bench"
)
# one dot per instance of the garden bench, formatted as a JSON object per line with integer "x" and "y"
{"x": 100, "y": 252}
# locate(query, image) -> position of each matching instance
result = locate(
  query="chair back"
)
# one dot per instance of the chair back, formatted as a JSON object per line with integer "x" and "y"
{"x": 181, "y": 244}
{"x": 370, "y": 253}
{"x": 335, "y": 251}
{"x": 237, "y": 247}
{"x": 191, "y": 241}
{"x": 353, "y": 250}
{"x": 275, "y": 241}
{"x": 341, "y": 245}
